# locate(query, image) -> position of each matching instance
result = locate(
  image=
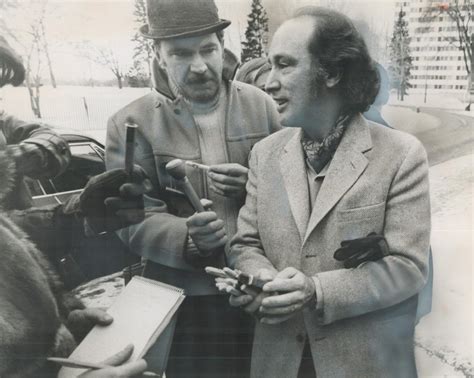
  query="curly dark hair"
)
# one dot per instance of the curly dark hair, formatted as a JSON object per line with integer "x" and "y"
{"x": 338, "y": 48}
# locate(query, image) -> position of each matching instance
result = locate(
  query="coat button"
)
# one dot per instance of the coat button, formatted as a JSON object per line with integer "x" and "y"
{"x": 177, "y": 111}
{"x": 300, "y": 338}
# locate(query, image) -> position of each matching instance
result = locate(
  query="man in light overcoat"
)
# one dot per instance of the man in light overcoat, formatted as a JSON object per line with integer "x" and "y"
{"x": 332, "y": 181}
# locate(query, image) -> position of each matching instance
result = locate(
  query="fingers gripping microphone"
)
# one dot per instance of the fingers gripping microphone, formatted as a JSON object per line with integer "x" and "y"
{"x": 176, "y": 169}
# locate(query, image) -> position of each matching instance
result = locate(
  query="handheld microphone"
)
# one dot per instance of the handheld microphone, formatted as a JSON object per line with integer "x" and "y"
{"x": 176, "y": 169}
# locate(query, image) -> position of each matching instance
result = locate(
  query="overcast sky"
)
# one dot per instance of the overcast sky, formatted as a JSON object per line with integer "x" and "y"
{"x": 111, "y": 23}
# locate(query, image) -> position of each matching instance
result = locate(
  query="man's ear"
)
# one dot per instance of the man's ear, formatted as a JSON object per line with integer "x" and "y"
{"x": 333, "y": 78}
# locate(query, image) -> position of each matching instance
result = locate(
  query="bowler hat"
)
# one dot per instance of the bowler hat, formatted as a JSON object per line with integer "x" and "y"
{"x": 13, "y": 61}
{"x": 181, "y": 18}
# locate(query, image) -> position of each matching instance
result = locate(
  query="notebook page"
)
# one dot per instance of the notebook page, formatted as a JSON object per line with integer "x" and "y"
{"x": 138, "y": 312}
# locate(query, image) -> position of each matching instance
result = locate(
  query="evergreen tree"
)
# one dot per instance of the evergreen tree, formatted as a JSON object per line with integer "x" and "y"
{"x": 256, "y": 33}
{"x": 143, "y": 51}
{"x": 400, "y": 58}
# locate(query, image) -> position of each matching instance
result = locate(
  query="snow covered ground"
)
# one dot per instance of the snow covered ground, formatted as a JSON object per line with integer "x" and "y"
{"x": 444, "y": 338}
{"x": 455, "y": 104}
{"x": 71, "y": 107}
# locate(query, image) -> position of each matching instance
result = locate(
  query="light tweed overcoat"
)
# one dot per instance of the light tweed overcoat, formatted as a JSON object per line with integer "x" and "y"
{"x": 377, "y": 181}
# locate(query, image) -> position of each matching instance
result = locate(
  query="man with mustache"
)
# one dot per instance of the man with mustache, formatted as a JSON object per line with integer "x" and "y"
{"x": 337, "y": 215}
{"x": 195, "y": 112}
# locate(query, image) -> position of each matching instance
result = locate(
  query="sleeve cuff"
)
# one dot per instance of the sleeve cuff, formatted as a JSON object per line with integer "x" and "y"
{"x": 319, "y": 297}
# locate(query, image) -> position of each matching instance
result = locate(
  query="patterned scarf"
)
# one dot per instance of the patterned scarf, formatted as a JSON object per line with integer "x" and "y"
{"x": 319, "y": 154}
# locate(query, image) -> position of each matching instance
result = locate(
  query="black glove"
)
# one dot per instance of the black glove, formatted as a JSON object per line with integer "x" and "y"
{"x": 354, "y": 252}
{"x": 113, "y": 199}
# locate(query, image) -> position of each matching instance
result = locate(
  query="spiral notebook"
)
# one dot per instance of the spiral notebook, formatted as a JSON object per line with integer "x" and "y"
{"x": 141, "y": 312}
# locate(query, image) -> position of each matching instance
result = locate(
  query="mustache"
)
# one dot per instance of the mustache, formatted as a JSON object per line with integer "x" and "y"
{"x": 200, "y": 78}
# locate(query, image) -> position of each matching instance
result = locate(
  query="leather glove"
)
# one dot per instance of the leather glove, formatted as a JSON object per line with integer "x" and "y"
{"x": 114, "y": 200}
{"x": 30, "y": 159}
{"x": 354, "y": 252}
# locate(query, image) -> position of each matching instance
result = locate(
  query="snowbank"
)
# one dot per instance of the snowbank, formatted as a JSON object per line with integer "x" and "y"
{"x": 444, "y": 337}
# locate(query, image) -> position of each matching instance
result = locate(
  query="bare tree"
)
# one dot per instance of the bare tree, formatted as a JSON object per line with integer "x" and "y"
{"x": 105, "y": 57}
{"x": 45, "y": 47}
{"x": 461, "y": 13}
{"x": 143, "y": 51}
{"x": 33, "y": 71}
{"x": 32, "y": 42}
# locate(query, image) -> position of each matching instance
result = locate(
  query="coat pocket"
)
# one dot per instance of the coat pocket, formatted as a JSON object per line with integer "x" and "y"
{"x": 361, "y": 213}
{"x": 359, "y": 222}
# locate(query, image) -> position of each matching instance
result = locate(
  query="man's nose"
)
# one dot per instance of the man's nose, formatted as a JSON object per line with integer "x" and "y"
{"x": 272, "y": 84}
{"x": 198, "y": 65}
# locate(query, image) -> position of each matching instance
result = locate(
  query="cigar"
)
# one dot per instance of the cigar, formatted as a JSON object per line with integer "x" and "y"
{"x": 197, "y": 165}
{"x": 130, "y": 145}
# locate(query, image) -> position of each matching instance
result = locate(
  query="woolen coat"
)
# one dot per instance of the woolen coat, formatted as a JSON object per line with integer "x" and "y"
{"x": 377, "y": 182}
{"x": 166, "y": 131}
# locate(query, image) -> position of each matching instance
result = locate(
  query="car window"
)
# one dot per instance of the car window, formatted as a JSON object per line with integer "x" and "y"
{"x": 85, "y": 163}
{"x": 87, "y": 160}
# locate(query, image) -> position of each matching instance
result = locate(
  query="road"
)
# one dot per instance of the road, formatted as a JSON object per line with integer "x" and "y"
{"x": 445, "y": 135}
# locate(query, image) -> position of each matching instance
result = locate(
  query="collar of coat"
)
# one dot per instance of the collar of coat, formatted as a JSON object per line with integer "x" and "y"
{"x": 348, "y": 163}
{"x": 160, "y": 78}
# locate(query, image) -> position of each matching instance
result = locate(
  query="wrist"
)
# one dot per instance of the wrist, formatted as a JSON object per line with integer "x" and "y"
{"x": 197, "y": 257}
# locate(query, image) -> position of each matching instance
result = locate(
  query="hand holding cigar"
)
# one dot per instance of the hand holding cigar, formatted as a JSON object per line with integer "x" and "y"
{"x": 228, "y": 179}
{"x": 131, "y": 128}
{"x": 200, "y": 166}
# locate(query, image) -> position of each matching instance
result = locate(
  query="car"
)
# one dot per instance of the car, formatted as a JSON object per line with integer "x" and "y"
{"x": 100, "y": 255}
{"x": 87, "y": 160}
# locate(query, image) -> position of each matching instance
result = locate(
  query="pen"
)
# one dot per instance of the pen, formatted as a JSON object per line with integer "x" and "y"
{"x": 71, "y": 363}
{"x": 130, "y": 145}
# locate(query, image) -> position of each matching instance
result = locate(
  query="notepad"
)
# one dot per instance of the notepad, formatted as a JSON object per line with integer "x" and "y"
{"x": 141, "y": 312}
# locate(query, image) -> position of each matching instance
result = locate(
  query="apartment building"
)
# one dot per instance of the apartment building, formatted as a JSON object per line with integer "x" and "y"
{"x": 438, "y": 63}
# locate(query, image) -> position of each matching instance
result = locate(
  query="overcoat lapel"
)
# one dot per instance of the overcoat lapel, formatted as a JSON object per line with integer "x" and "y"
{"x": 345, "y": 168}
{"x": 293, "y": 170}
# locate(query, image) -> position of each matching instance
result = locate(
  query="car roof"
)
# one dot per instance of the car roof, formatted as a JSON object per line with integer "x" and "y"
{"x": 71, "y": 135}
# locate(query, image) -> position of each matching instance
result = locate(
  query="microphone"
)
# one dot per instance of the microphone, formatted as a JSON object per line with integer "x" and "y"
{"x": 176, "y": 169}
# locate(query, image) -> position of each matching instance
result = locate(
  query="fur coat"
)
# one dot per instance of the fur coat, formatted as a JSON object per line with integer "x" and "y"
{"x": 33, "y": 304}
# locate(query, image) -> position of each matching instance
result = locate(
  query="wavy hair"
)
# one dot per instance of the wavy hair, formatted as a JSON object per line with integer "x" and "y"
{"x": 338, "y": 48}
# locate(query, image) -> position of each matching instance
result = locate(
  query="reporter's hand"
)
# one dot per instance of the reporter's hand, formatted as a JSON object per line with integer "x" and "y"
{"x": 228, "y": 179}
{"x": 116, "y": 369}
{"x": 206, "y": 229}
{"x": 114, "y": 199}
{"x": 80, "y": 322}
{"x": 251, "y": 301}
{"x": 289, "y": 292}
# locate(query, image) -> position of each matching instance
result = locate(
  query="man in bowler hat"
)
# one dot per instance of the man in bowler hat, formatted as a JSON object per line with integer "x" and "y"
{"x": 196, "y": 113}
